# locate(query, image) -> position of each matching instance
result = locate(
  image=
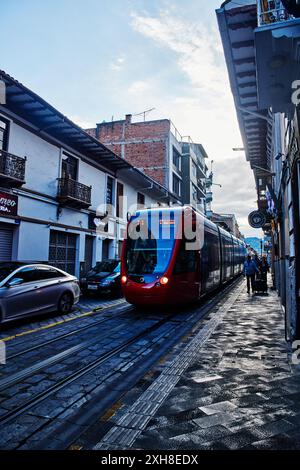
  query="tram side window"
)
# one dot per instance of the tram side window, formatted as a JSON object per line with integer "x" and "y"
{"x": 212, "y": 241}
{"x": 186, "y": 261}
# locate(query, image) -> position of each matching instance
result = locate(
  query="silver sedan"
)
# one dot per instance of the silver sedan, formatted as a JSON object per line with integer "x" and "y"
{"x": 28, "y": 289}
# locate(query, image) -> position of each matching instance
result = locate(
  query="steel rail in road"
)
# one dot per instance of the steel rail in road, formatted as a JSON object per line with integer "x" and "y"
{"x": 50, "y": 361}
{"x": 183, "y": 331}
{"x": 11, "y": 415}
{"x": 61, "y": 321}
{"x": 70, "y": 333}
{"x": 203, "y": 311}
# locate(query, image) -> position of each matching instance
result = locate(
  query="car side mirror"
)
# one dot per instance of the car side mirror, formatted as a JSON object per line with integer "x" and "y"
{"x": 15, "y": 282}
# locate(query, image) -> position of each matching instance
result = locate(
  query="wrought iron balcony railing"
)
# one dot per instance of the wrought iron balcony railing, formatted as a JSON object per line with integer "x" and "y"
{"x": 70, "y": 192}
{"x": 12, "y": 169}
{"x": 271, "y": 11}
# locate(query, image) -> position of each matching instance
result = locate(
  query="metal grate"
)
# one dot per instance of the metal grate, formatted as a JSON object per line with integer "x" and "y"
{"x": 12, "y": 166}
{"x": 6, "y": 241}
{"x": 69, "y": 188}
{"x": 62, "y": 251}
{"x": 271, "y": 11}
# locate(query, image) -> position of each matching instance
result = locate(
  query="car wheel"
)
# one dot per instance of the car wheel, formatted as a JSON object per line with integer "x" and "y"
{"x": 65, "y": 303}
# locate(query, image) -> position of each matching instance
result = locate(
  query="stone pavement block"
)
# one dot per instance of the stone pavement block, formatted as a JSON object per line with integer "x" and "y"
{"x": 281, "y": 442}
{"x": 215, "y": 419}
{"x": 225, "y": 406}
{"x": 273, "y": 428}
{"x": 242, "y": 383}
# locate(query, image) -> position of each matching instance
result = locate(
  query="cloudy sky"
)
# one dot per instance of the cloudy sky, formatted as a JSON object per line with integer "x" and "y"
{"x": 102, "y": 58}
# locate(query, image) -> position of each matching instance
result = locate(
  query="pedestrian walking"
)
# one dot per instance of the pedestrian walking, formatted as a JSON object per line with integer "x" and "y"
{"x": 264, "y": 268}
{"x": 250, "y": 269}
{"x": 257, "y": 261}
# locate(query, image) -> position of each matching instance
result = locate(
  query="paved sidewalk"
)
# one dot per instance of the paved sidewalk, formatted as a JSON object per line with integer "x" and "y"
{"x": 241, "y": 393}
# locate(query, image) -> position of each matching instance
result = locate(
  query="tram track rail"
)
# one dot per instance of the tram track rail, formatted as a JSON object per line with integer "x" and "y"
{"x": 180, "y": 329}
{"x": 44, "y": 364}
{"x": 22, "y": 408}
{"x": 60, "y": 322}
{"x": 128, "y": 309}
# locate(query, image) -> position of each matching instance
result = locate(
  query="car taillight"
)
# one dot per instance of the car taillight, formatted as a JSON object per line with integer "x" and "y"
{"x": 124, "y": 279}
{"x": 164, "y": 280}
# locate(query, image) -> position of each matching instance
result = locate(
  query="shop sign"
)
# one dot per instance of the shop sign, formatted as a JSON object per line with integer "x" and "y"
{"x": 257, "y": 219}
{"x": 8, "y": 204}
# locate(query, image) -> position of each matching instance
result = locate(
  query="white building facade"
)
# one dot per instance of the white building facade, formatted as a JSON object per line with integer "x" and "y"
{"x": 64, "y": 196}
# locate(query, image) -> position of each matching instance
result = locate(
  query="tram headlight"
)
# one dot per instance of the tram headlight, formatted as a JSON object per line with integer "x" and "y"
{"x": 124, "y": 279}
{"x": 164, "y": 280}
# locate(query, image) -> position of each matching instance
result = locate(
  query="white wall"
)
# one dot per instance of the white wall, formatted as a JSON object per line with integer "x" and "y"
{"x": 42, "y": 170}
{"x": 42, "y": 166}
{"x": 33, "y": 242}
{"x": 91, "y": 176}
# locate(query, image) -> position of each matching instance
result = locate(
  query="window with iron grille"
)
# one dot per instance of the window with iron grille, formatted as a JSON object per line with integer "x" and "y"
{"x": 62, "y": 251}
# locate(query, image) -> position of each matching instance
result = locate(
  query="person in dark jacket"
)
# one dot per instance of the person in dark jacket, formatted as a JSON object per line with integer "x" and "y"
{"x": 257, "y": 261}
{"x": 264, "y": 268}
{"x": 250, "y": 269}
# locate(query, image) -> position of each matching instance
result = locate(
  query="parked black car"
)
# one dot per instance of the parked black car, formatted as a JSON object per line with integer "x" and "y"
{"x": 104, "y": 278}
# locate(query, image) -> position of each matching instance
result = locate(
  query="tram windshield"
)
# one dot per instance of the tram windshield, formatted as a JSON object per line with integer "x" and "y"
{"x": 150, "y": 254}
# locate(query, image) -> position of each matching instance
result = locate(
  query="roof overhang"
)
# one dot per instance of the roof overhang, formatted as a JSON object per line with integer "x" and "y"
{"x": 278, "y": 64}
{"x": 237, "y": 25}
{"x": 50, "y": 123}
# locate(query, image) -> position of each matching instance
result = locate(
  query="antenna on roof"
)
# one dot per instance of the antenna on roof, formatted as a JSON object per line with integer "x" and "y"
{"x": 144, "y": 113}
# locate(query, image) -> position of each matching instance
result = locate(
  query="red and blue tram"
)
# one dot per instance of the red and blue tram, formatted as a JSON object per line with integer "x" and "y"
{"x": 175, "y": 255}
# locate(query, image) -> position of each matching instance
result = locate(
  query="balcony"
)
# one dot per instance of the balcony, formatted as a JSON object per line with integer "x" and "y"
{"x": 277, "y": 42}
{"x": 12, "y": 170}
{"x": 271, "y": 11}
{"x": 73, "y": 194}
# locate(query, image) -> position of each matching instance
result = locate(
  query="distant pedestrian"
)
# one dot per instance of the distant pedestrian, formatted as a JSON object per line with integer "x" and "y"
{"x": 264, "y": 268}
{"x": 250, "y": 269}
{"x": 257, "y": 261}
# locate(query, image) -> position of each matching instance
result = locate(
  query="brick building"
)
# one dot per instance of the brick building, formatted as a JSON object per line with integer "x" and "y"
{"x": 157, "y": 149}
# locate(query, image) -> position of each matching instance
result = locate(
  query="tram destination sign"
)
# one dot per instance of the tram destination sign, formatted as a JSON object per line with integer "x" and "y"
{"x": 257, "y": 219}
{"x": 8, "y": 204}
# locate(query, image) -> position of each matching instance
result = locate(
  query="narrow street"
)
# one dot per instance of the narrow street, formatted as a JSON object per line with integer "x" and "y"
{"x": 65, "y": 373}
{"x": 149, "y": 232}
{"x": 216, "y": 375}
{"x": 232, "y": 387}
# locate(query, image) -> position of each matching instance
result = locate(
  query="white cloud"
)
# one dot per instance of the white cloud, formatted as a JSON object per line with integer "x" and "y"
{"x": 138, "y": 87}
{"x": 118, "y": 64}
{"x": 204, "y": 106}
{"x": 84, "y": 123}
{"x": 197, "y": 46}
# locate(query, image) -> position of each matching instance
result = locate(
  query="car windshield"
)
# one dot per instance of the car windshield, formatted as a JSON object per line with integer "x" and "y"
{"x": 6, "y": 269}
{"x": 109, "y": 266}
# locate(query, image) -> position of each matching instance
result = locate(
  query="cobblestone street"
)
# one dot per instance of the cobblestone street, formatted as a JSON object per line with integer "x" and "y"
{"x": 240, "y": 391}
